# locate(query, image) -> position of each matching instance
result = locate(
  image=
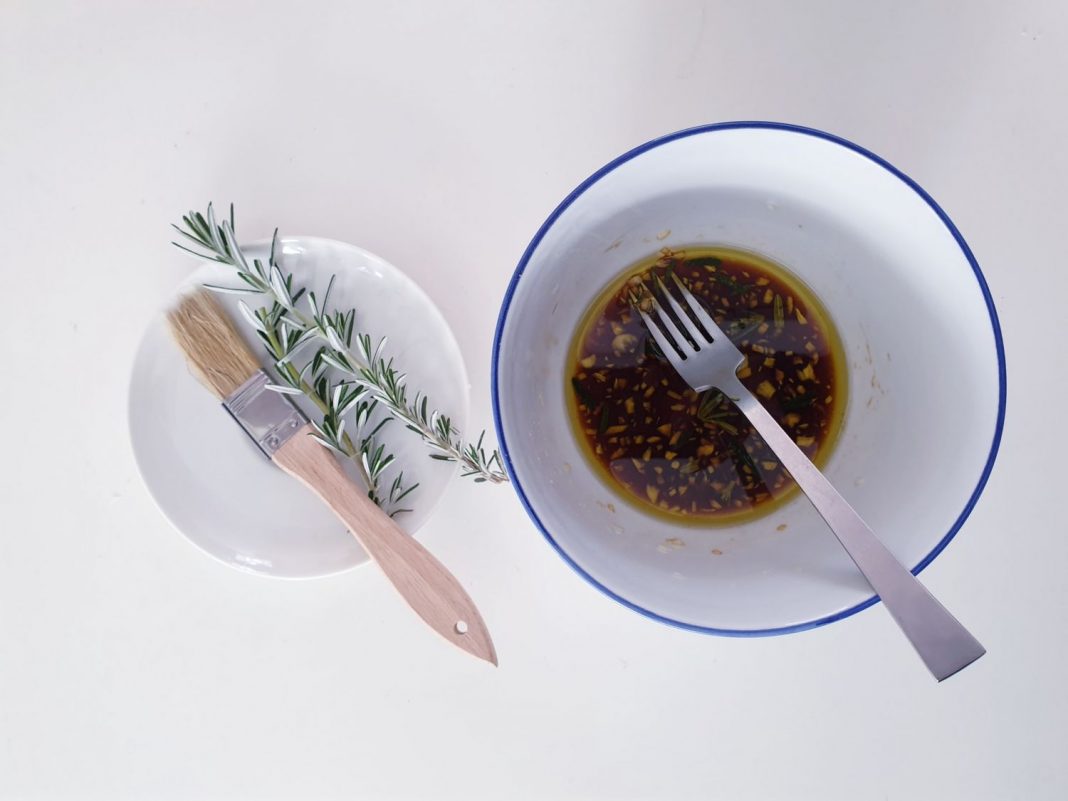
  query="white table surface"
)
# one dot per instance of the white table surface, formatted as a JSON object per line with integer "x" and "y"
{"x": 440, "y": 136}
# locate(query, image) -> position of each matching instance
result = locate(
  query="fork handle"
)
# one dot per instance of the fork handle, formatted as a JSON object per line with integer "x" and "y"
{"x": 943, "y": 644}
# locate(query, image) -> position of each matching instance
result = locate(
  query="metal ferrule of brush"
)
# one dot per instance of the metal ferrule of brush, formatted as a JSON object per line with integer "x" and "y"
{"x": 269, "y": 417}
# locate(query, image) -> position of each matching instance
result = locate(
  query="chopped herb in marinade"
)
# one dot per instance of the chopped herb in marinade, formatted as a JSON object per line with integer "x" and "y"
{"x": 694, "y": 455}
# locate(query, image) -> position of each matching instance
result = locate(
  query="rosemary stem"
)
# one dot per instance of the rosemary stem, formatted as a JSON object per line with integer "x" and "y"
{"x": 310, "y": 392}
{"x": 405, "y": 413}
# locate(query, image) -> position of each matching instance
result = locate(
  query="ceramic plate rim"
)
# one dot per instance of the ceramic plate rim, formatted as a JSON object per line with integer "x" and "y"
{"x": 999, "y": 347}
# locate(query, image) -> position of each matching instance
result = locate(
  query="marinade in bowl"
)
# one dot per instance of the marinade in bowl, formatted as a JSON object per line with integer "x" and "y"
{"x": 693, "y": 456}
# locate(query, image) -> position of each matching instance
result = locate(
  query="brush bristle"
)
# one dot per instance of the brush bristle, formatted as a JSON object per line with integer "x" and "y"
{"x": 217, "y": 354}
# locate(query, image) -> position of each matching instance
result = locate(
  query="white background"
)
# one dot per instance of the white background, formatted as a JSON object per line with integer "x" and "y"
{"x": 440, "y": 136}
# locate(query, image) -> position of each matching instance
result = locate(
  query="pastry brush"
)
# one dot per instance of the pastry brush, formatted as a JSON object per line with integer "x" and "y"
{"x": 221, "y": 360}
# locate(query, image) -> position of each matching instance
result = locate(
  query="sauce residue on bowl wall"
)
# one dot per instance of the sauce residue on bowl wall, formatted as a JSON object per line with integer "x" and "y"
{"x": 694, "y": 457}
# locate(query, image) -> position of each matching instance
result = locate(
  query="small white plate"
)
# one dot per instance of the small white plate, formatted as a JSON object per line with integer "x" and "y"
{"x": 211, "y": 481}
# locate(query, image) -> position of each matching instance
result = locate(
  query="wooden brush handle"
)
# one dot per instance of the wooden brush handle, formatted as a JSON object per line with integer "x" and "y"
{"x": 431, "y": 590}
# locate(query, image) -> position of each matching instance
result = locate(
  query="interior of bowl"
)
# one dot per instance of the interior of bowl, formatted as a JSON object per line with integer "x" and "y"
{"x": 925, "y": 370}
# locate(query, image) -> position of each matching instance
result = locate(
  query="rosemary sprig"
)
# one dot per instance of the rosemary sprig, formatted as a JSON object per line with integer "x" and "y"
{"x": 581, "y": 393}
{"x": 284, "y": 337}
{"x": 742, "y": 459}
{"x": 733, "y": 285}
{"x": 740, "y": 328}
{"x": 713, "y": 411}
{"x": 377, "y": 374}
{"x": 797, "y": 402}
{"x": 371, "y": 380}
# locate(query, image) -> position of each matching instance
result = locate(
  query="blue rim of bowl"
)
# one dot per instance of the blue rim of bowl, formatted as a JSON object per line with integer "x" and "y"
{"x": 663, "y": 140}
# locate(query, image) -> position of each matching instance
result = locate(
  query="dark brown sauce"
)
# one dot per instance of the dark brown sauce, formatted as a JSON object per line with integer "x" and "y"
{"x": 695, "y": 456}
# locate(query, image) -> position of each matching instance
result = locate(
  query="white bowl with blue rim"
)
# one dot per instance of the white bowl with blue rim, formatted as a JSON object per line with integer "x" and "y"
{"x": 925, "y": 364}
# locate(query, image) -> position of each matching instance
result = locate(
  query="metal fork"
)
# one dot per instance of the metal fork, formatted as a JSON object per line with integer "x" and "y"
{"x": 709, "y": 359}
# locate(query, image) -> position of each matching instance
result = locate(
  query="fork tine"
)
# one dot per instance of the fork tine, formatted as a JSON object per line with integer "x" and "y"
{"x": 697, "y": 334}
{"x": 698, "y": 310}
{"x": 666, "y": 347}
{"x": 682, "y": 345}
